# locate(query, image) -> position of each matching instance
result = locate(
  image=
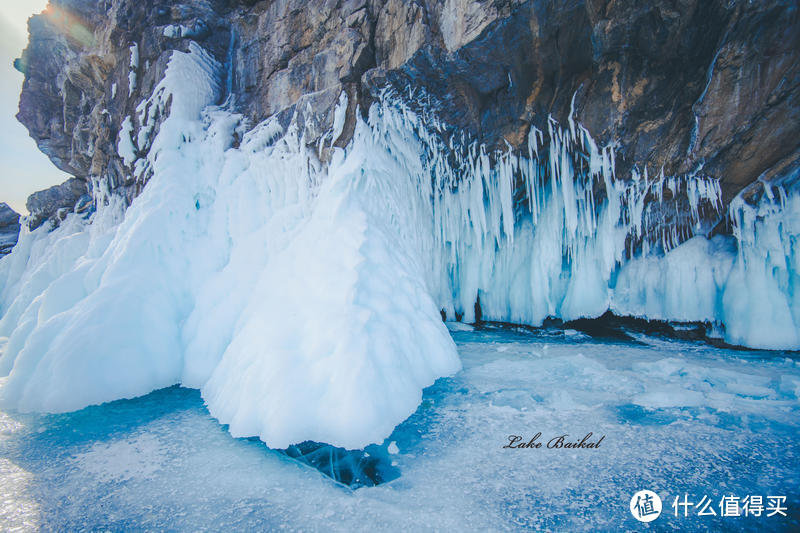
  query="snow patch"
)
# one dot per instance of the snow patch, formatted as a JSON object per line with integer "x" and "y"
{"x": 134, "y": 66}
{"x": 139, "y": 457}
{"x": 125, "y": 147}
{"x": 174, "y": 31}
{"x": 339, "y": 115}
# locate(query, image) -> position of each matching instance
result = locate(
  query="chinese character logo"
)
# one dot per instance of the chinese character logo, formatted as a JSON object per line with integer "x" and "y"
{"x": 645, "y": 506}
{"x": 731, "y": 506}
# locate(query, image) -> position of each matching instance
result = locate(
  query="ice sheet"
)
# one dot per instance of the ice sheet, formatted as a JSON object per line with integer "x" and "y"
{"x": 677, "y": 418}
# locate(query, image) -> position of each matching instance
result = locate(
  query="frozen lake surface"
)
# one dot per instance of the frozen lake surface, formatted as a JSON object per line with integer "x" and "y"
{"x": 677, "y": 418}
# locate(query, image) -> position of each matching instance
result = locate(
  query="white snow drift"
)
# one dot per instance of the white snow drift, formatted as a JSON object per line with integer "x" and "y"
{"x": 304, "y": 301}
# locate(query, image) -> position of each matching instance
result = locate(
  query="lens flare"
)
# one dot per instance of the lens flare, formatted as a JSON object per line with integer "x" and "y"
{"x": 70, "y": 24}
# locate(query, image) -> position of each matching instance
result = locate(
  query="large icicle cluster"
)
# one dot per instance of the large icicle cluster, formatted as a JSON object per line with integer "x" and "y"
{"x": 745, "y": 284}
{"x": 304, "y": 300}
{"x": 555, "y": 232}
{"x": 761, "y": 301}
{"x": 538, "y": 234}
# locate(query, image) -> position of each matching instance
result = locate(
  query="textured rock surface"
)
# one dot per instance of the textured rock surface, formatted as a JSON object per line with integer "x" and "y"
{"x": 9, "y": 228}
{"x": 52, "y": 202}
{"x": 80, "y": 82}
{"x": 683, "y": 85}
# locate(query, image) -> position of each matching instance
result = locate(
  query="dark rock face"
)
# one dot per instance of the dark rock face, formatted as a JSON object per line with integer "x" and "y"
{"x": 9, "y": 229}
{"x": 55, "y": 202}
{"x": 706, "y": 86}
{"x": 77, "y": 89}
{"x": 683, "y": 86}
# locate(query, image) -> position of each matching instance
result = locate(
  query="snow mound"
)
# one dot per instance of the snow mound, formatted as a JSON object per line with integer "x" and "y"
{"x": 339, "y": 334}
{"x": 278, "y": 288}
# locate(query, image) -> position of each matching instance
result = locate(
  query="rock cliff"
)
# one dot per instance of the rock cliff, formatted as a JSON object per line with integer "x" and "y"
{"x": 683, "y": 86}
{"x": 9, "y": 229}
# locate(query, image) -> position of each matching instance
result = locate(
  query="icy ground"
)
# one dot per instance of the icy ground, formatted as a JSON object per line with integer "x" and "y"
{"x": 678, "y": 417}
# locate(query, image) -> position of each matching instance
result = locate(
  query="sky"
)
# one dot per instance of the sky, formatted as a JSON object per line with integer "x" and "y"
{"x": 23, "y": 168}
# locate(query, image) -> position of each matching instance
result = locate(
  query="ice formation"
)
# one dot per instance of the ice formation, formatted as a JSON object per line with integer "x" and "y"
{"x": 297, "y": 305}
{"x": 304, "y": 299}
{"x": 557, "y": 248}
